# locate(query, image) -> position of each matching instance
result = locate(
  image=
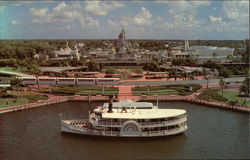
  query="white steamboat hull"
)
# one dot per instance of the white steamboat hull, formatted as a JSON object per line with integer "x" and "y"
{"x": 69, "y": 128}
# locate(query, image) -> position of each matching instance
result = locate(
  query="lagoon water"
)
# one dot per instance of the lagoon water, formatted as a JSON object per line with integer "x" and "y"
{"x": 35, "y": 134}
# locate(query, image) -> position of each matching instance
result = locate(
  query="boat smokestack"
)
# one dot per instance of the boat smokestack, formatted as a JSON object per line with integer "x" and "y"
{"x": 110, "y": 104}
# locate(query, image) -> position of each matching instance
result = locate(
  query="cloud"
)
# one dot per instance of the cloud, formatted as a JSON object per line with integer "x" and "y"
{"x": 215, "y": 19}
{"x": 183, "y": 14}
{"x": 143, "y": 18}
{"x": 184, "y": 7}
{"x": 237, "y": 11}
{"x": 102, "y": 8}
{"x": 63, "y": 13}
{"x": 39, "y": 12}
{"x": 16, "y": 22}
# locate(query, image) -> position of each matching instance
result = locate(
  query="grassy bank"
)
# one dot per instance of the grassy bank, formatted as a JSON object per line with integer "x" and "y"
{"x": 165, "y": 90}
{"x": 7, "y": 99}
{"x": 81, "y": 90}
{"x": 234, "y": 96}
{"x": 214, "y": 95}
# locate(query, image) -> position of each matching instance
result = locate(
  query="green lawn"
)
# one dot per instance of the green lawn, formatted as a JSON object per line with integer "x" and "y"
{"x": 215, "y": 95}
{"x": 164, "y": 90}
{"x": 233, "y": 96}
{"x": 82, "y": 90}
{"x": 6, "y": 102}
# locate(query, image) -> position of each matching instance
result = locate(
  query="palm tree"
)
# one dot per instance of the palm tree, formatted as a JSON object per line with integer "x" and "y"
{"x": 183, "y": 75}
{"x": 204, "y": 72}
{"x": 244, "y": 88}
{"x": 174, "y": 74}
{"x": 207, "y": 81}
{"x": 222, "y": 83}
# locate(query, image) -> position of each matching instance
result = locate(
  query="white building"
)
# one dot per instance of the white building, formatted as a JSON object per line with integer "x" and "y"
{"x": 217, "y": 54}
{"x": 67, "y": 53}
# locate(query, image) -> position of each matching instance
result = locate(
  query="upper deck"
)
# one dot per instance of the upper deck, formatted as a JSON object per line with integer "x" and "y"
{"x": 136, "y": 110}
{"x": 143, "y": 113}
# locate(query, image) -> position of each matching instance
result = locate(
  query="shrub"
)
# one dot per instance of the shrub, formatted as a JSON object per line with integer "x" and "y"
{"x": 110, "y": 71}
{"x": 212, "y": 94}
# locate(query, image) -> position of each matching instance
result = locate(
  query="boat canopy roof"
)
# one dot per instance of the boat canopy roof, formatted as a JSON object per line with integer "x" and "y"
{"x": 128, "y": 104}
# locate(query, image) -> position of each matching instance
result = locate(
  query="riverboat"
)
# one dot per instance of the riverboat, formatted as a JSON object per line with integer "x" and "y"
{"x": 129, "y": 119}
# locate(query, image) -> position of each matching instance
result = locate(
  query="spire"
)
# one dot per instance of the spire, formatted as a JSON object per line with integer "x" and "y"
{"x": 186, "y": 45}
{"x": 123, "y": 33}
{"x": 67, "y": 44}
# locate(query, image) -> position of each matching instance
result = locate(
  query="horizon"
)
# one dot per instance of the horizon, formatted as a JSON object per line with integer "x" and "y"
{"x": 142, "y": 20}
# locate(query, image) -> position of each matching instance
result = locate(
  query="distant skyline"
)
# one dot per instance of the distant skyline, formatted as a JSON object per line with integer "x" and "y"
{"x": 205, "y": 20}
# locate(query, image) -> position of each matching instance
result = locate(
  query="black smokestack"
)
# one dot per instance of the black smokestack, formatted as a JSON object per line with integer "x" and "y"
{"x": 110, "y": 104}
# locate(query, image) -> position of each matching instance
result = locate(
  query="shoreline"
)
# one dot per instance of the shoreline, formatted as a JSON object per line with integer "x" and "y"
{"x": 59, "y": 99}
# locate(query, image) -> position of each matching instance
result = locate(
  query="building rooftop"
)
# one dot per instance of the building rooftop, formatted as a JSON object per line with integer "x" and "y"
{"x": 59, "y": 69}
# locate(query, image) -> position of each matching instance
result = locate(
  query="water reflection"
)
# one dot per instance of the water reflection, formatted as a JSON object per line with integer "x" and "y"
{"x": 35, "y": 134}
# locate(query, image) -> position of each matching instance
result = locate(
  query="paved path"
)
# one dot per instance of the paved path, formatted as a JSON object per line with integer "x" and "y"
{"x": 125, "y": 93}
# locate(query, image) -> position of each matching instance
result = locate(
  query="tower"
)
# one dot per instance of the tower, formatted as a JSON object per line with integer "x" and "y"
{"x": 186, "y": 45}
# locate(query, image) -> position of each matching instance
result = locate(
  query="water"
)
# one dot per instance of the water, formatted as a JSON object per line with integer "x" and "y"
{"x": 35, "y": 134}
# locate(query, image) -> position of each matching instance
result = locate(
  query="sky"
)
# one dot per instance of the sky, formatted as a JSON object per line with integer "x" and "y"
{"x": 192, "y": 19}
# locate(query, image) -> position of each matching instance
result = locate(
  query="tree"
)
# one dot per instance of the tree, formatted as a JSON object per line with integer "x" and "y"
{"x": 15, "y": 83}
{"x": 152, "y": 66}
{"x": 110, "y": 71}
{"x": 204, "y": 72}
{"x": 244, "y": 88}
{"x": 245, "y": 56}
{"x": 173, "y": 73}
{"x": 138, "y": 71}
{"x": 195, "y": 73}
{"x": 93, "y": 65}
{"x": 222, "y": 83}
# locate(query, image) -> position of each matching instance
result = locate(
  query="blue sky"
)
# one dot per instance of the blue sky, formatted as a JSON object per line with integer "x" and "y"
{"x": 141, "y": 19}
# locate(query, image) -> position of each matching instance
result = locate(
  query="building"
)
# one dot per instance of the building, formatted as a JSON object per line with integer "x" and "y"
{"x": 183, "y": 51}
{"x": 213, "y": 53}
{"x": 122, "y": 50}
{"x": 67, "y": 53}
{"x": 58, "y": 71}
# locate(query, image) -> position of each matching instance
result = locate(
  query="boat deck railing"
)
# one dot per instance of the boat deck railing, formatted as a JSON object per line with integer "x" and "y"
{"x": 90, "y": 131}
{"x": 144, "y": 124}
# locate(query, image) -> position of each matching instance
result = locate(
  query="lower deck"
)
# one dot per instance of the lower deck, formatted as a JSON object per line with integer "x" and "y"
{"x": 84, "y": 127}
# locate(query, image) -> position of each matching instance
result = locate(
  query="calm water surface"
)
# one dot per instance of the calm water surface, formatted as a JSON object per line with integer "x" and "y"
{"x": 35, "y": 134}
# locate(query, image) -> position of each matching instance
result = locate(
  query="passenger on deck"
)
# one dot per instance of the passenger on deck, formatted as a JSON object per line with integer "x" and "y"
{"x": 124, "y": 109}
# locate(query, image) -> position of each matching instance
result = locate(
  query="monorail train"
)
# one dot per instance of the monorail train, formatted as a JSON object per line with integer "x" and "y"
{"x": 107, "y": 81}
{"x": 68, "y": 81}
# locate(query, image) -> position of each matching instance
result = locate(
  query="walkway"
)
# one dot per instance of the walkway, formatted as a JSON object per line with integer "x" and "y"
{"x": 125, "y": 92}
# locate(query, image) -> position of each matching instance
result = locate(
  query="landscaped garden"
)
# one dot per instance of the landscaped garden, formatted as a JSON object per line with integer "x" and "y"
{"x": 81, "y": 90}
{"x": 165, "y": 90}
{"x": 214, "y": 95}
{"x": 17, "y": 98}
